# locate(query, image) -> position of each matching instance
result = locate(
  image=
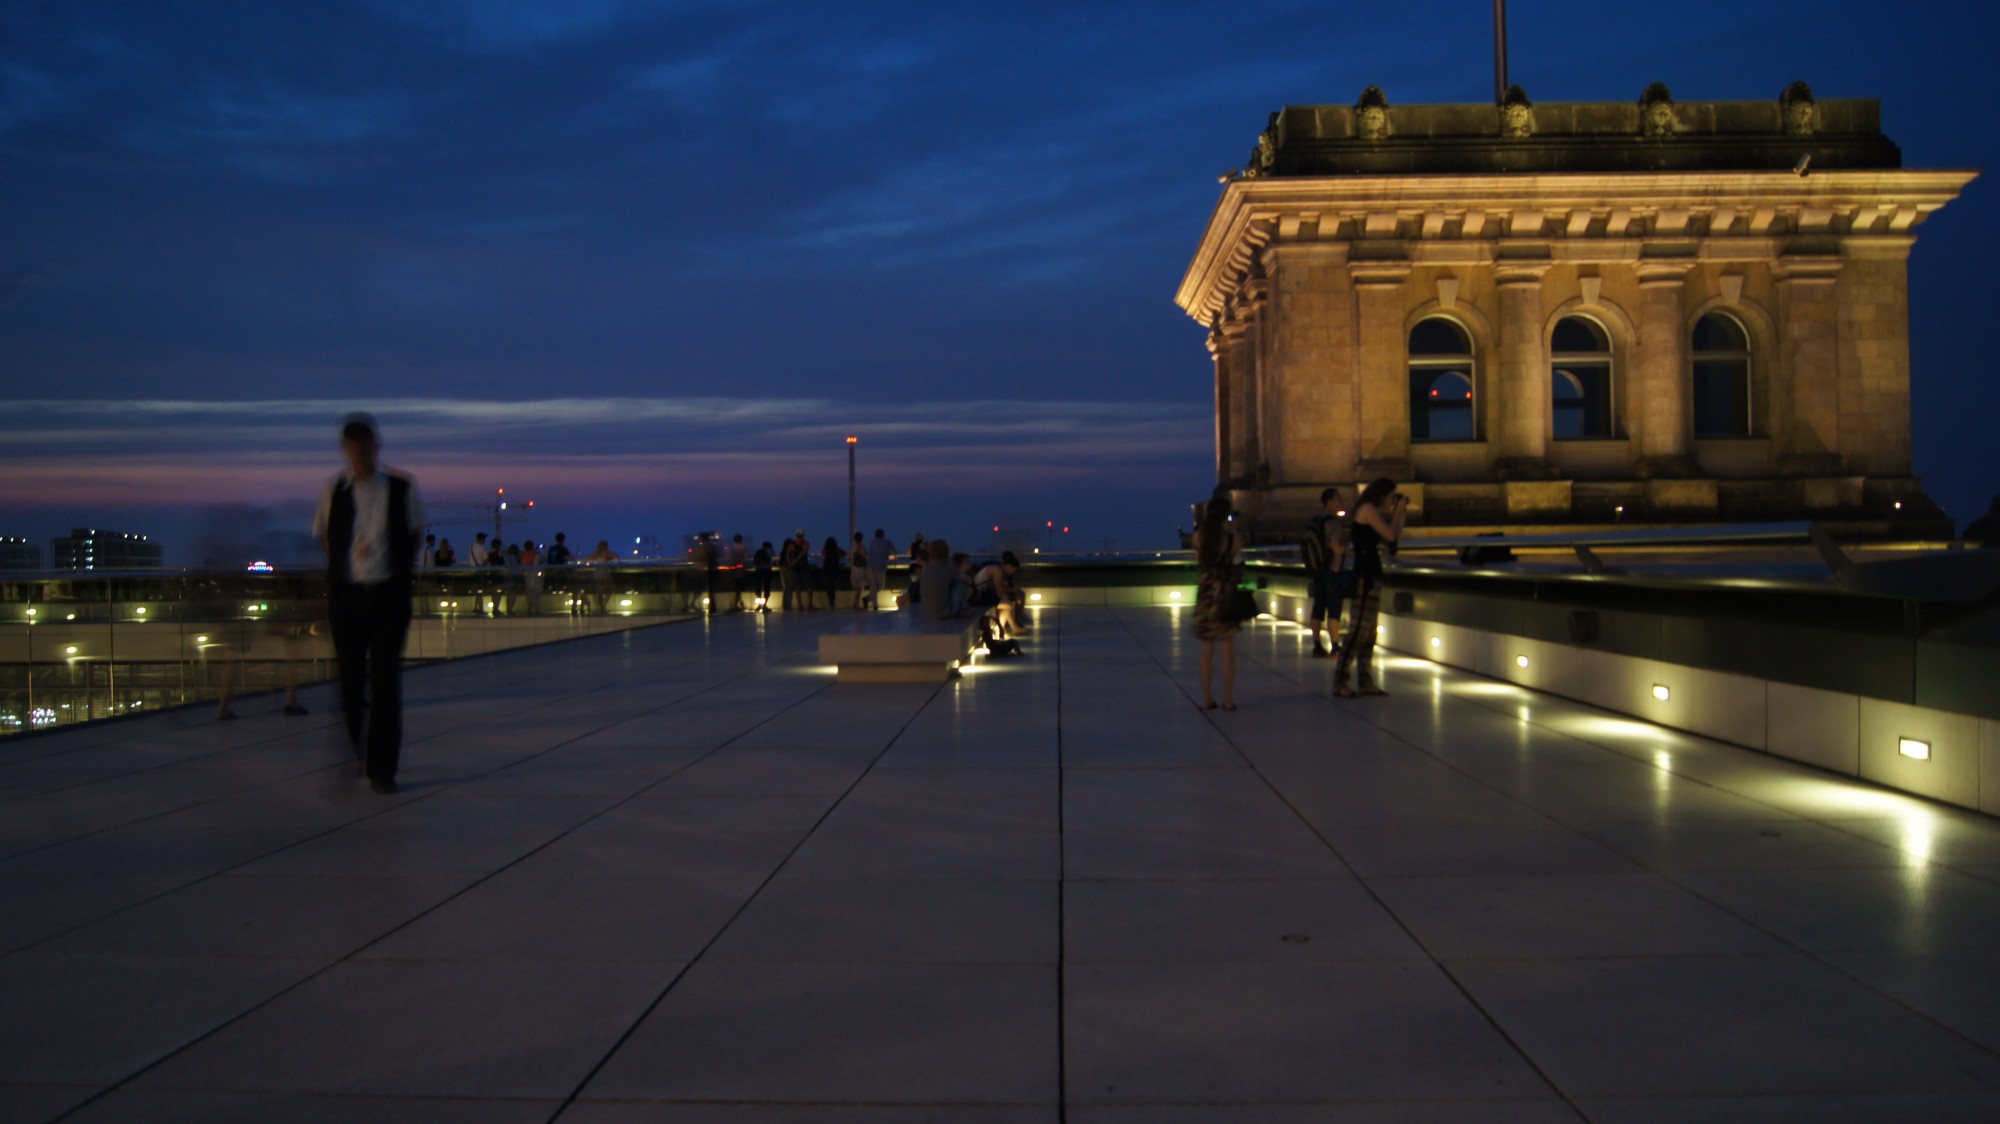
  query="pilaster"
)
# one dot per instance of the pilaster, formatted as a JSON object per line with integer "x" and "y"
{"x": 1383, "y": 371}
{"x": 1523, "y": 408}
{"x": 1659, "y": 382}
{"x": 1809, "y": 362}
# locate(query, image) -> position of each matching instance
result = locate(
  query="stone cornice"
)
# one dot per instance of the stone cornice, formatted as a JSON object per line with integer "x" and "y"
{"x": 1568, "y": 211}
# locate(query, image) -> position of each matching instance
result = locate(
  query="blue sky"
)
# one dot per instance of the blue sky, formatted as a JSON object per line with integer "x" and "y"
{"x": 650, "y": 262}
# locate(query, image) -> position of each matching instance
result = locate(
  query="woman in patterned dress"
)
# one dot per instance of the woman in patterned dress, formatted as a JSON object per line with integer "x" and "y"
{"x": 1218, "y": 564}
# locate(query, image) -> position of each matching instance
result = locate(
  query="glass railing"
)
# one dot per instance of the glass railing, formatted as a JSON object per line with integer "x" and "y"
{"x": 77, "y": 647}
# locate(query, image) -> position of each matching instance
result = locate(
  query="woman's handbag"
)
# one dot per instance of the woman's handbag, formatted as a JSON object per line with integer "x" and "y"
{"x": 1242, "y": 605}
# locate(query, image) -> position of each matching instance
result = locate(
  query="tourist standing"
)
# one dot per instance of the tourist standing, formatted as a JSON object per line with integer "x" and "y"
{"x": 1378, "y": 522}
{"x": 367, "y": 521}
{"x": 794, "y": 564}
{"x": 832, "y": 564}
{"x": 601, "y": 560}
{"x": 1325, "y": 552}
{"x": 1218, "y": 566}
{"x": 858, "y": 571}
{"x": 478, "y": 553}
{"x": 880, "y": 551}
{"x": 761, "y": 576}
{"x": 531, "y": 574}
{"x": 736, "y": 559}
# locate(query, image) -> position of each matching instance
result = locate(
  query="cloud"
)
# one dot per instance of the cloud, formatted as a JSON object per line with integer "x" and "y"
{"x": 508, "y": 25}
{"x": 68, "y": 453}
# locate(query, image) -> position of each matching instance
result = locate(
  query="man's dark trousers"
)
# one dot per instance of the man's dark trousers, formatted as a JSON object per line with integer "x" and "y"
{"x": 369, "y": 625}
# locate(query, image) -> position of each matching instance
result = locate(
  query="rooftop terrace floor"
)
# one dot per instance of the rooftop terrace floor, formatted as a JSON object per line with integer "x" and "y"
{"x": 680, "y": 875}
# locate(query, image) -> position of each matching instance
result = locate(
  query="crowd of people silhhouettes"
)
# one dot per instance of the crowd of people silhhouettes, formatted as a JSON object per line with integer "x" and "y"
{"x": 936, "y": 582}
{"x": 794, "y": 576}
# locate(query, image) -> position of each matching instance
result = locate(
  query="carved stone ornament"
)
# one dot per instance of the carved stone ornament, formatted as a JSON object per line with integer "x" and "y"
{"x": 1371, "y": 114}
{"x": 1517, "y": 114}
{"x": 1797, "y": 108}
{"x": 1656, "y": 111}
{"x": 1267, "y": 146}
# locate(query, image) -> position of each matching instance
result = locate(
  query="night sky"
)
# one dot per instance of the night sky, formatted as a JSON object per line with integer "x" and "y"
{"x": 649, "y": 263}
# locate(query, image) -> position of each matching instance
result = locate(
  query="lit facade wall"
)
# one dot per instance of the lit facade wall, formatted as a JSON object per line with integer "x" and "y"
{"x": 1317, "y": 266}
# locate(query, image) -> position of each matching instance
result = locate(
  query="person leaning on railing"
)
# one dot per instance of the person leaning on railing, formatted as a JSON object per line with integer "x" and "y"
{"x": 1372, "y": 530}
{"x": 601, "y": 561}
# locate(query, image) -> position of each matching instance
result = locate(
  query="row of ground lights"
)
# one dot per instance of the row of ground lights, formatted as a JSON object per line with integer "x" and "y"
{"x": 1914, "y": 748}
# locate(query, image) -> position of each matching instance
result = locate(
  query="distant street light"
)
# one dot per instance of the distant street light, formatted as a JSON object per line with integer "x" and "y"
{"x": 853, "y": 525}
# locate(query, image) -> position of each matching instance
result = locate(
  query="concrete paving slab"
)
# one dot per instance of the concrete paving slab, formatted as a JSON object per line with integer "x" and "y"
{"x": 875, "y": 1033}
{"x": 514, "y": 1029}
{"x": 1260, "y": 1033}
{"x": 1720, "y": 1026}
{"x": 933, "y": 904}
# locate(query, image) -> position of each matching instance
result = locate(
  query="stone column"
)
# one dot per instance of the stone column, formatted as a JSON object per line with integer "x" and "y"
{"x": 1255, "y": 363}
{"x": 1809, "y": 362}
{"x": 1659, "y": 379}
{"x": 1382, "y": 377}
{"x": 1235, "y": 401}
{"x": 1521, "y": 412}
{"x": 1218, "y": 351}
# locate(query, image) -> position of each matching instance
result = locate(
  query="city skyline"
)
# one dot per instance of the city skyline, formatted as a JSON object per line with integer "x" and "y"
{"x": 650, "y": 264}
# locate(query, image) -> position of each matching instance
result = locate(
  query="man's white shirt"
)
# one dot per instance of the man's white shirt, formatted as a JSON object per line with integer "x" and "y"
{"x": 368, "y": 554}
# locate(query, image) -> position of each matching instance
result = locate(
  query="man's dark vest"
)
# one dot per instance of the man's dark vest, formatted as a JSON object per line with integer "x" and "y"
{"x": 340, "y": 531}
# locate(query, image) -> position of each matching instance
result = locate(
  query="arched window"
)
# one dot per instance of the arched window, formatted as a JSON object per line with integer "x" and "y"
{"x": 1580, "y": 380}
{"x": 1721, "y": 350}
{"x": 1441, "y": 382}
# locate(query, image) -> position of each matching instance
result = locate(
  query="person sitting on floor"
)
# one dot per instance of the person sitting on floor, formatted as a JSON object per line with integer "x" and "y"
{"x": 941, "y": 591}
{"x": 993, "y": 588}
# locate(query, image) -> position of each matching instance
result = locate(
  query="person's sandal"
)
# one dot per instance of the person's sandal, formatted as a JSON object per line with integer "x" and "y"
{"x": 1375, "y": 692}
{"x": 1343, "y": 691}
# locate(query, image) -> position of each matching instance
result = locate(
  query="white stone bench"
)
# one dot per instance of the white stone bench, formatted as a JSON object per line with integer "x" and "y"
{"x": 900, "y": 647}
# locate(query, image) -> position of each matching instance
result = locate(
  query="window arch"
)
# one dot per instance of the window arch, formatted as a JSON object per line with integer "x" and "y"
{"x": 1580, "y": 380}
{"x": 1441, "y": 382}
{"x": 1721, "y": 351}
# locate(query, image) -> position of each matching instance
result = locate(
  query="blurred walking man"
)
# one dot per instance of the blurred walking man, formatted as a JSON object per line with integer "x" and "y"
{"x": 368, "y": 520}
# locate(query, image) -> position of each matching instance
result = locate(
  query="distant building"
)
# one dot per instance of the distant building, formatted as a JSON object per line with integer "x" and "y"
{"x": 19, "y": 554}
{"x": 92, "y": 549}
{"x": 1568, "y": 313}
{"x": 646, "y": 546}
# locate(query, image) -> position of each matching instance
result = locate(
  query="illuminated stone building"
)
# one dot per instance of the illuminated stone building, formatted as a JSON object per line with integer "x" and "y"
{"x": 1567, "y": 313}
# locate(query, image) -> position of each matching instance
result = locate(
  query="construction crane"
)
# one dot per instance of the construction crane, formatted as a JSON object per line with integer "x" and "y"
{"x": 499, "y": 510}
